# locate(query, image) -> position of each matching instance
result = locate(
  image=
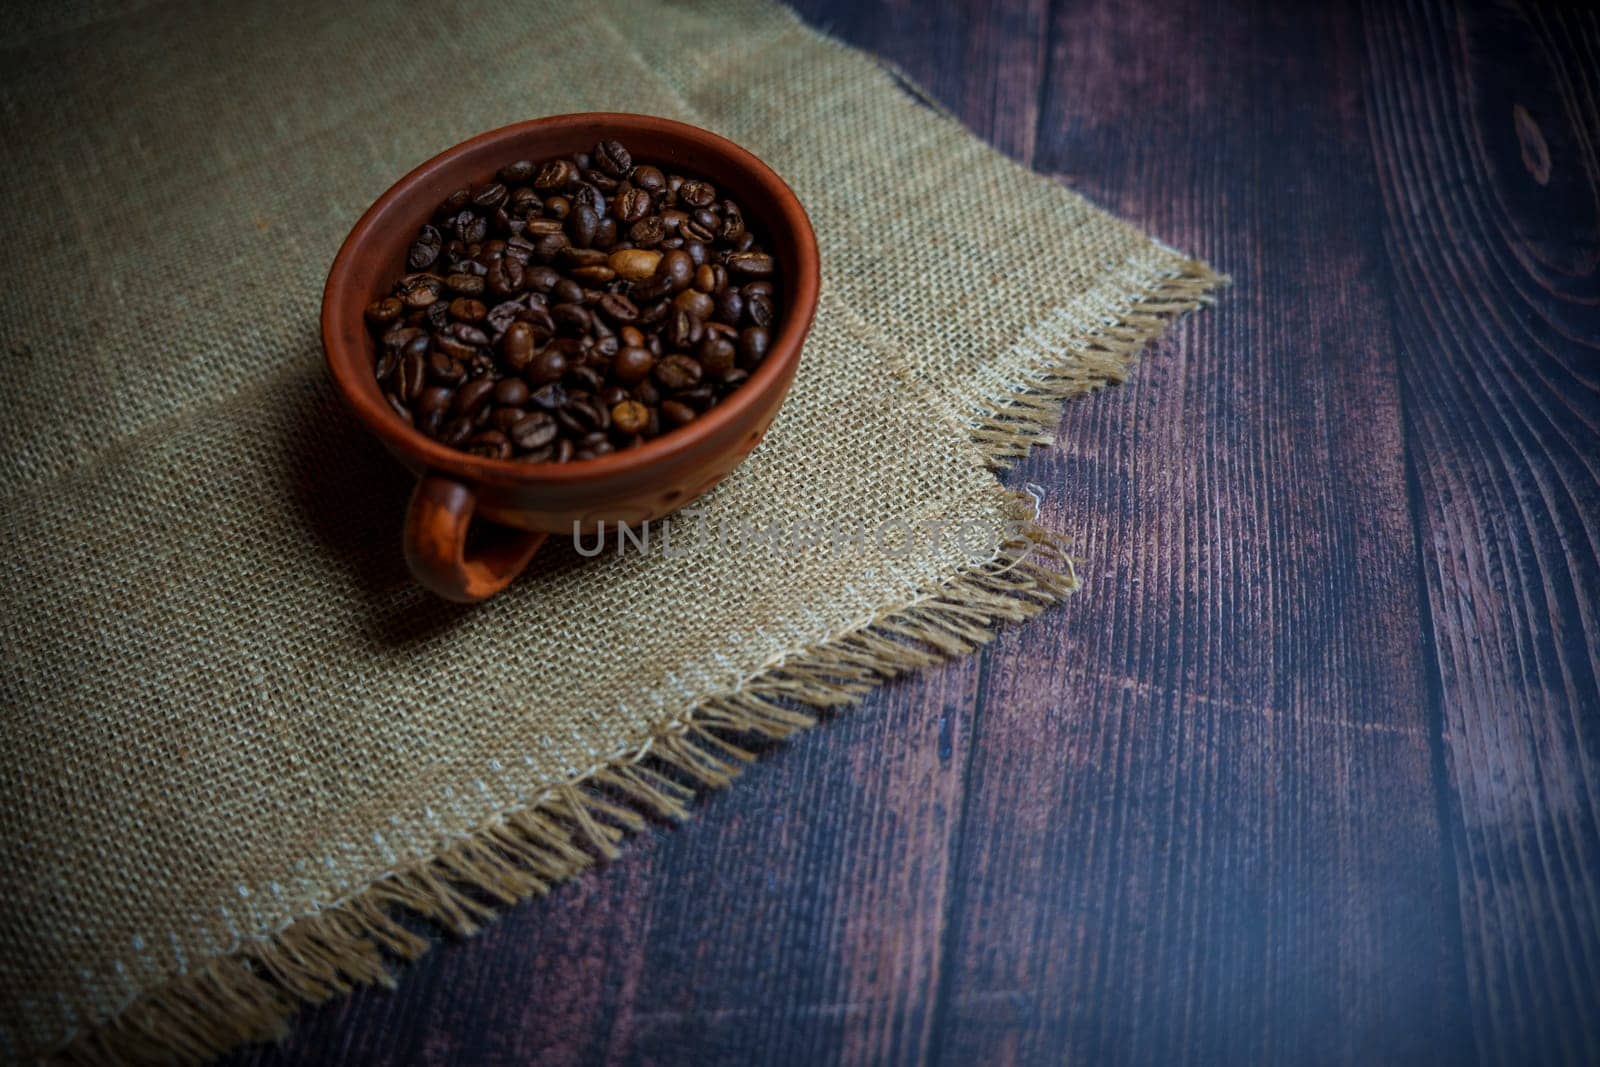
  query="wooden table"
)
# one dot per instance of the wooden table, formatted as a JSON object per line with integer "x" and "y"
{"x": 1311, "y": 770}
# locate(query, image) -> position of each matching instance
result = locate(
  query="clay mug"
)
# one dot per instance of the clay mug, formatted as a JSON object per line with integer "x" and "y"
{"x": 523, "y": 503}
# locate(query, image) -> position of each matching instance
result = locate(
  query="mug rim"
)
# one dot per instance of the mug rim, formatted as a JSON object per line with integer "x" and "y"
{"x": 784, "y": 352}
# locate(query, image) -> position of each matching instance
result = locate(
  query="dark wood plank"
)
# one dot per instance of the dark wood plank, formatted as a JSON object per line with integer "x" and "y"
{"x": 1490, "y": 178}
{"x": 1202, "y": 819}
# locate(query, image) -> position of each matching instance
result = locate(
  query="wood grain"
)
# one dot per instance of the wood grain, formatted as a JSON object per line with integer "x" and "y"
{"x": 1491, "y": 187}
{"x": 1310, "y": 771}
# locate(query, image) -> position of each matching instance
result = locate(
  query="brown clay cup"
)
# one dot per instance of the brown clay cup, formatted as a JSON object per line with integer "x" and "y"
{"x": 525, "y": 502}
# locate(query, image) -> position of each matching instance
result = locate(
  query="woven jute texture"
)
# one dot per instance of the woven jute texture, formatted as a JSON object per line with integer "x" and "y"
{"x": 245, "y": 760}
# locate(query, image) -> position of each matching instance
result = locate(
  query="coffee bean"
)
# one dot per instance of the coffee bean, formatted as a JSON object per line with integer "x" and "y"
{"x": 466, "y": 309}
{"x": 446, "y": 369}
{"x": 634, "y": 264}
{"x": 581, "y": 225}
{"x": 535, "y": 430}
{"x": 753, "y": 344}
{"x": 648, "y": 178}
{"x": 696, "y": 303}
{"x": 758, "y": 309}
{"x": 412, "y": 376}
{"x": 573, "y": 307}
{"x": 420, "y": 290}
{"x": 676, "y": 414}
{"x": 469, "y": 226}
{"x": 732, "y": 227}
{"x": 750, "y": 264}
{"x": 716, "y": 356}
{"x": 491, "y": 444}
{"x": 506, "y": 277}
{"x": 516, "y": 173}
{"x": 648, "y": 232}
{"x": 618, "y": 308}
{"x": 613, "y": 158}
{"x": 425, "y": 249}
{"x": 696, "y": 193}
{"x": 464, "y": 283}
{"x": 434, "y": 399}
{"x": 632, "y": 365}
{"x": 548, "y": 366}
{"x": 556, "y": 174}
{"x": 511, "y": 392}
{"x": 382, "y": 312}
{"x": 471, "y": 398}
{"x": 398, "y": 406}
{"x": 677, "y": 372}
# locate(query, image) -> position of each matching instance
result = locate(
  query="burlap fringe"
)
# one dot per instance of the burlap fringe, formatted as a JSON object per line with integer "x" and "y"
{"x": 249, "y": 996}
{"x": 1029, "y": 415}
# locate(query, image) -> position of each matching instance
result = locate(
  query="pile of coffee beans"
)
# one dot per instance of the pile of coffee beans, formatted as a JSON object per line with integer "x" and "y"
{"x": 572, "y": 308}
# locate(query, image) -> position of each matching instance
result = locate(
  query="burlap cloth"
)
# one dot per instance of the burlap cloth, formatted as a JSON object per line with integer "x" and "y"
{"x": 237, "y": 740}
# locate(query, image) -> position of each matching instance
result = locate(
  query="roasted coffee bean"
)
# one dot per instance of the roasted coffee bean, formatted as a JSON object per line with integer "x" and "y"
{"x": 549, "y": 397}
{"x": 425, "y": 249}
{"x": 465, "y": 283}
{"x": 573, "y": 307}
{"x": 732, "y": 227}
{"x": 753, "y": 343}
{"x": 573, "y": 319}
{"x": 466, "y": 309}
{"x": 599, "y": 274}
{"x": 516, "y": 173}
{"x": 491, "y": 444}
{"x": 618, "y": 308}
{"x": 506, "y": 277}
{"x": 385, "y": 364}
{"x": 503, "y": 418}
{"x": 556, "y": 174}
{"x": 490, "y": 196}
{"x": 632, "y": 365}
{"x": 614, "y": 158}
{"x": 382, "y": 312}
{"x": 692, "y": 230}
{"x": 412, "y": 376}
{"x": 677, "y": 372}
{"x": 469, "y": 226}
{"x": 434, "y": 399}
{"x": 549, "y": 365}
{"x": 750, "y": 264}
{"x": 648, "y": 232}
{"x": 581, "y": 225}
{"x": 683, "y": 329}
{"x": 696, "y": 303}
{"x": 471, "y": 398}
{"x": 632, "y": 204}
{"x": 729, "y": 306}
{"x": 524, "y": 203}
{"x": 535, "y": 430}
{"x": 696, "y": 193}
{"x": 446, "y": 369}
{"x": 634, "y": 264}
{"x": 511, "y": 392}
{"x": 759, "y": 309}
{"x": 717, "y": 355}
{"x": 676, "y": 414}
{"x": 419, "y": 290}
{"x": 648, "y": 178}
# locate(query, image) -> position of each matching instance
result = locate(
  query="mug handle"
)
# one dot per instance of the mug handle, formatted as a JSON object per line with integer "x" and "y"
{"x": 435, "y": 541}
